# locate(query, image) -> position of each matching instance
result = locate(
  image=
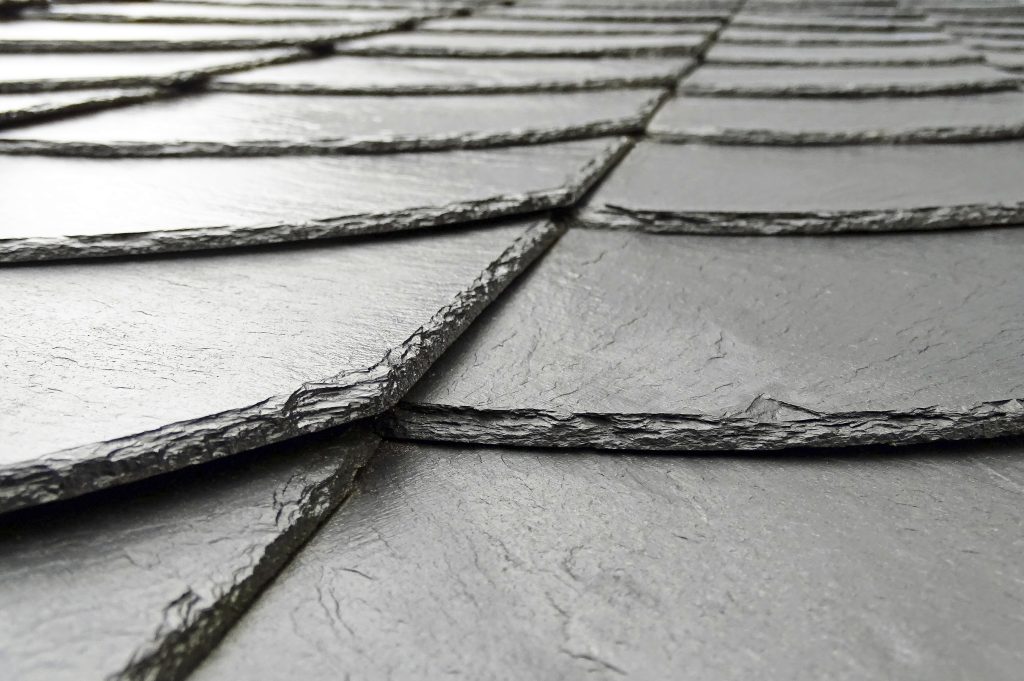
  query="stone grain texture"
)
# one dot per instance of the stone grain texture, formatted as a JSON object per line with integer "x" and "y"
{"x": 438, "y": 76}
{"x": 467, "y": 563}
{"x": 18, "y": 108}
{"x": 120, "y": 370}
{"x": 640, "y": 341}
{"x": 780, "y": 81}
{"x": 748, "y": 36}
{"x": 197, "y": 13}
{"x": 634, "y": 14}
{"x": 716, "y": 189}
{"x": 528, "y": 26}
{"x": 841, "y": 55}
{"x": 142, "y": 582}
{"x": 81, "y": 207}
{"x": 829, "y": 24}
{"x": 236, "y": 124}
{"x": 735, "y": 120}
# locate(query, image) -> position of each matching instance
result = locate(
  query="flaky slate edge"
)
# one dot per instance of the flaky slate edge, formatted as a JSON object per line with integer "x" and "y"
{"x": 610, "y": 216}
{"x": 192, "y": 626}
{"x": 86, "y": 104}
{"x": 314, "y": 406}
{"x": 996, "y": 83}
{"x": 369, "y": 144}
{"x": 496, "y": 52}
{"x": 962, "y": 133}
{"x": 767, "y": 424}
{"x": 32, "y": 249}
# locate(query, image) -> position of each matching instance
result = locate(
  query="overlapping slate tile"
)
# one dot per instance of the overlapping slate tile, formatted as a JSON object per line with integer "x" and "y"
{"x": 369, "y": 75}
{"x": 140, "y": 583}
{"x": 641, "y": 341}
{"x": 163, "y": 12}
{"x": 838, "y": 55}
{"x": 701, "y": 188}
{"x": 631, "y": 13}
{"x": 737, "y": 120}
{"x": 236, "y": 124}
{"x": 995, "y": 44}
{"x": 814, "y": 22}
{"x": 1012, "y": 32}
{"x": 38, "y": 72}
{"x": 750, "y": 36}
{"x": 81, "y": 36}
{"x": 468, "y": 562}
{"x": 437, "y": 44}
{"x": 82, "y": 207}
{"x": 845, "y": 81}
{"x": 1007, "y": 61}
{"x": 485, "y": 24}
{"x": 118, "y": 370}
{"x": 16, "y": 108}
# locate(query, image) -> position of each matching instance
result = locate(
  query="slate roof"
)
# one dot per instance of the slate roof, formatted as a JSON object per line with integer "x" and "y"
{"x": 553, "y": 339}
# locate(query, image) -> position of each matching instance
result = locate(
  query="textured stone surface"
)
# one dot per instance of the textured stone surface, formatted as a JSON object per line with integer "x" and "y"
{"x": 165, "y": 12}
{"x": 142, "y": 582}
{"x": 811, "y": 55}
{"x": 750, "y": 36}
{"x": 466, "y": 563}
{"x": 80, "y": 36}
{"x": 640, "y": 341}
{"x": 995, "y": 44}
{"x": 540, "y": 26}
{"x": 266, "y": 124}
{"x": 996, "y": 115}
{"x": 764, "y": 190}
{"x": 591, "y": 13}
{"x": 434, "y": 43}
{"x": 845, "y": 81}
{"x": 16, "y": 108}
{"x": 39, "y": 72}
{"x": 81, "y": 207}
{"x": 811, "y": 22}
{"x": 1010, "y": 61}
{"x": 118, "y": 370}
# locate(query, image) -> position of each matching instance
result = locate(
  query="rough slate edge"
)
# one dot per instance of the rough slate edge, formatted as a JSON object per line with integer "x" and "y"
{"x": 515, "y": 53}
{"x": 741, "y": 136}
{"x": 270, "y": 87}
{"x": 1004, "y": 81}
{"x": 181, "y": 78}
{"x": 368, "y": 144}
{"x": 313, "y": 407}
{"x": 100, "y": 18}
{"x": 51, "y": 109}
{"x": 826, "y": 41}
{"x": 327, "y": 38}
{"x": 769, "y": 60}
{"x": 172, "y": 652}
{"x": 35, "y": 249}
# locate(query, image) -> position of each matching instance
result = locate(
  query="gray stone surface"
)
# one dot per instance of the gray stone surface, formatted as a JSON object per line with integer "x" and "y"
{"x": 44, "y": 72}
{"x": 483, "y": 24}
{"x": 18, "y": 108}
{"x": 827, "y": 81}
{"x": 636, "y": 14}
{"x": 81, "y": 36}
{"x": 1009, "y": 61}
{"x": 751, "y": 36}
{"x": 833, "y": 55}
{"x": 492, "y": 564}
{"x": 768, "y": 190}
{"x": 140, "y": 583}
{"x": 641, "y": 341}
{"x": 122, "y": 369}
{"x": 237, "y": 124}
{"x": 1016, "y": 32}
{"x": 995, "y": 44}
{"x": 736, "y": 120}
{"x": 812, "y": 22}
{"x": 435, "y": 43}
{"x": 368, "y": 75}
{"x": 164, "y": 12}
{"x": 82, "y": 207}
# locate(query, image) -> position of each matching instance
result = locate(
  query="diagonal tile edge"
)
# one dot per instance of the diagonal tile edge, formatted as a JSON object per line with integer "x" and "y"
{"x": 88, "y": 102}
{"x": 312, "y": 407}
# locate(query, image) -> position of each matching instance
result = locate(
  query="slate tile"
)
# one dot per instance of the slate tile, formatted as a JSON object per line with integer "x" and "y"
{"x": 950, "y": 21}
{"x": 163, "y": 12}
{"x": 437, "y": 44}
{"x": 1012, "y": 32}
{"x": 764, "y": 190}
{"x": 840, "y": 55}
{"x": 236, "y": 124}
{"x": 849, "y": 81}
{"x": 734, "y": 120}
{"x": 468, "y": 562}
{"x": 436, "y": 75}
{"x": 543, "y": 26}
{"x": 1007, "y": 61}
{"x": 141, "y": 583}
{"x": 81, "y": 36}
{"x": 17, "y": 108}
{"x": 102, "y": 207}
{"x": 38, "y": 72}
{"x": 641, "y": 341}
{"x": 631, "y": 13}
{"x": 765, "y": 36}
{"x": 195, "y": 358}
{"x": 995, "y": 44}
{"x": 813, "y": 22}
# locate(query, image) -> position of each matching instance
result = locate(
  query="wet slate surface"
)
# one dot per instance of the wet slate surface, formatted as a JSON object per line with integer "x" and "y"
{"x": 750, "y": 36}
{"x": 97, "y": 207}
{"x": 18, "y": 108}
{"x": 368, "y": 75}
{"x": 81, "y": 36}
{"x": 736, "y": 120}
{"x": 268, "y": 124}
{"x": 483, "y": 24}
{"x": 142, "y": 582}
{"x": 640, "y": 341}
{"x": 199, "y": 13}
{"x": 122, "y": 369}
{"x": 39, "y": 72}
{"x": 847, "y": 81}
{"x": 468, "y": 562}
{"x": 435, "y": 43}
{"x": 766, "y": 190}
{"x": 899, "y": 55}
